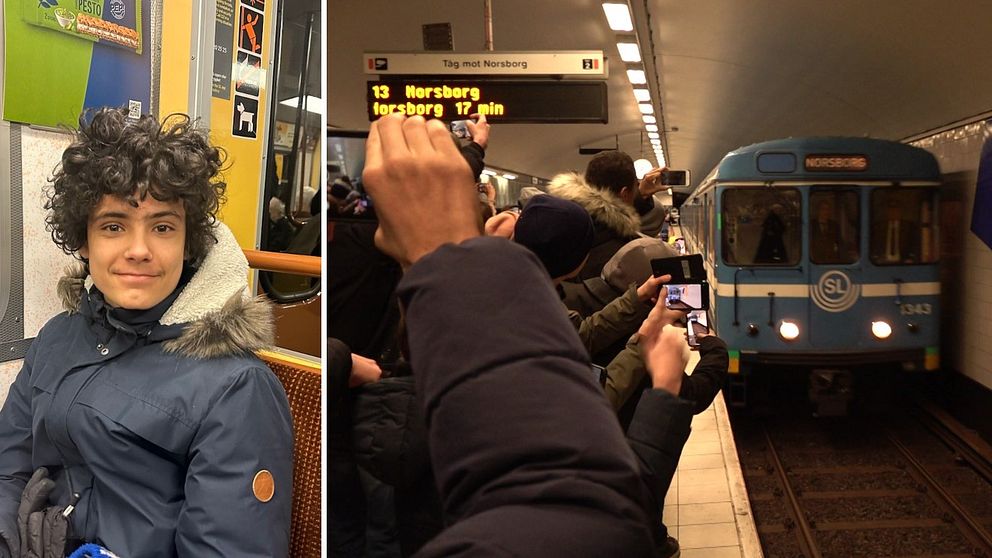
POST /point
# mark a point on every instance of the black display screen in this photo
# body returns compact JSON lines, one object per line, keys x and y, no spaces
{"x":500,"y":101}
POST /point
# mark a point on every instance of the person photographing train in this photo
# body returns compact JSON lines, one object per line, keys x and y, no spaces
{"x":501,"y":374}
{"x":141,"y":421}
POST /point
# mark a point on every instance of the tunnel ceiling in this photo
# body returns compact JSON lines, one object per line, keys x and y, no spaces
{"x":731,"y":72}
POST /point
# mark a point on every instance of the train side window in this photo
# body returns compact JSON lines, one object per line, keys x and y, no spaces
{"x":761,"y":226}
{"x":293,"y":191}
{"x":834,"y":227}
{"x":904,"y":226}
{"x":711,"y":223}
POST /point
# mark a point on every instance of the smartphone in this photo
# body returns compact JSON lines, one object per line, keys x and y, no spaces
{"x":688,"y":296}
{"x":460,"y":129}
{"x":683,"y":269}
{"x":675,"y":177}
{"x":696,"y":326}
{"x":599,"y":373}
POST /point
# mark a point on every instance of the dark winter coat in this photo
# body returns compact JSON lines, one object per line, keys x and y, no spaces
{"x":528,"y":456}
{"x":164,"y":429}
{"x":615,"y":222}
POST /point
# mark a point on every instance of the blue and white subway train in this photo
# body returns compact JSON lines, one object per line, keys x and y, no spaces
{"x":821,"y":252}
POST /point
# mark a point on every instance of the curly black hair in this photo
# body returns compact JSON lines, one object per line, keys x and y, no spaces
{"x":129,"y":159}
{"x":613,"y":170}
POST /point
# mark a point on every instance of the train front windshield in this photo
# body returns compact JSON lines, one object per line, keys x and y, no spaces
{"x":761,"y":226}
{"x":834,"y":226}
{"x":903,"y":226}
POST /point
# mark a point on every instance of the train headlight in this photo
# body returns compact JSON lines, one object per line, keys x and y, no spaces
{"x":788,"y":330}
{"x":881,"y":329}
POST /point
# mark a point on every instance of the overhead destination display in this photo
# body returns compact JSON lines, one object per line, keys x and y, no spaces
{"x":502,"y":101}
{"x":585,"y":63}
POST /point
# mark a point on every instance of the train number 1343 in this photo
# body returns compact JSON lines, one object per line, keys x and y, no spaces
{"x":912,"y":309}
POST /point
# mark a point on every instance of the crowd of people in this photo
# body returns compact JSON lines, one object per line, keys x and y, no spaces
{"x":470,"y":414}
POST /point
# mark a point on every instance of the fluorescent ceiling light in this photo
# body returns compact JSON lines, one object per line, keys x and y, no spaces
{"x":653,"y":135}
{"x":509,"y":176}
{"x":629,"y":52}
{"x":646,"y":108}
{"x":637,"y":77}
{"x":642,"y":95}
{"x":489,"y":172}
{"x":656,"y":142}
{"x":310,"y":104}
{"x":651,"y":127}
{"x":618,"y":16}
{"x":641,"y":167}
{"x":649,"y":119}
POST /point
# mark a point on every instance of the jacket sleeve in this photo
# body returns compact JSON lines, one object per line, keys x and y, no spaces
{"x":708,"y":376}
{"x":526,"y":452}
{"x":475,"y":155}
{"x":657,"y":433}
{"x":339,"y":365}
{"x":618,"y":319}
{"x":15,"y":452}
{"x":247,"y":432}
{"x":624,"y":374}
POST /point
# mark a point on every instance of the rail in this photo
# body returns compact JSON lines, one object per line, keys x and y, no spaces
{"x":807,"y":542}
{"x":969,"y":525}
{"x":284,"y":263}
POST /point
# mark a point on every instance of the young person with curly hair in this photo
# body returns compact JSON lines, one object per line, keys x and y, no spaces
{"x":141,"y":420}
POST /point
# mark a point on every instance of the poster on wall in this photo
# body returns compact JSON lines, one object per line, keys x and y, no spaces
{"x":223,"y":42}
{"x":981,"y":214}
{"x":62,"y":57}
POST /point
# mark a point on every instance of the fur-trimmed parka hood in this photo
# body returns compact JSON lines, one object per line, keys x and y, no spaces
{"x":605,"y":208}
{"x":218,"y":315}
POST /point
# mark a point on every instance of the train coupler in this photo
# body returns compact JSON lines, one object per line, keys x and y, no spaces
{"x":830,"y":391}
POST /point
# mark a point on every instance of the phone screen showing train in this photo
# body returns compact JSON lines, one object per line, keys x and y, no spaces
{"x":346,"y":195}
{"x":696,"y":323}
{"x":692,"y":296}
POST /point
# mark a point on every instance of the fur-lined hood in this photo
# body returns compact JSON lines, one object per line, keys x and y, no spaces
{"x":220,"y":317}
{"x":603,"y":206}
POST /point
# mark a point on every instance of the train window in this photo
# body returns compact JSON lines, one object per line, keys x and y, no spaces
{"x":777,"y":162}
{"x":834,"y":219}
{"x":293,"y":192}
{"x":903,"y":226}
{"x":761,"y":226}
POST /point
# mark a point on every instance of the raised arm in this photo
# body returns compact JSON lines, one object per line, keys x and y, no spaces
{"x":528,"y":456}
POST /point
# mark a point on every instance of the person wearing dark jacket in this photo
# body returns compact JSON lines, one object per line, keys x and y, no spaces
{"x":352,"y":523}
{"x":580,"y":490}
{"x":141,"y":417}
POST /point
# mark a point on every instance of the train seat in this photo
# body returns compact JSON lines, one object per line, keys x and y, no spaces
{"x":302,"y":384}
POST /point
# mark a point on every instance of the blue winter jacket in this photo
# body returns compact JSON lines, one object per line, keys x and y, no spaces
{"x":168,"y":431}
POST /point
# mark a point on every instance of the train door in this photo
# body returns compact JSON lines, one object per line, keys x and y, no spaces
{"x":835,"y":272}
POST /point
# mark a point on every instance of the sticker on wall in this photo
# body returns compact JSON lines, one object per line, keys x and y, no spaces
{"x":250,"y":30}
{"x":223,"y":44}
{"x":245,"y":117}
{"x":248,"y":74}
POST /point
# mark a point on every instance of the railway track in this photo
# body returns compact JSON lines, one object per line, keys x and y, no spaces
{"x":912,"y":485}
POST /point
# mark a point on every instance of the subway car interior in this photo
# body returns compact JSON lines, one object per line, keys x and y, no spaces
{"x":248,"y":75}
{"x":827,"y":165}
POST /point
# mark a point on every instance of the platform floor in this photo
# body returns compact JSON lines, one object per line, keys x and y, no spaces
{"x":707,"y":508}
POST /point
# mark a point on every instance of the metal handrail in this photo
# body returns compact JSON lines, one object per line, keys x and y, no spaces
{"x":284,"y":263}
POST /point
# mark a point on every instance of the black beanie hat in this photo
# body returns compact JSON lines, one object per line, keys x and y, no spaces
{"x":558,"y":231}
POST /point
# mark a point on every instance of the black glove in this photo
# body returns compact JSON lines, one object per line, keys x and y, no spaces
{"x":42,"y":528}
